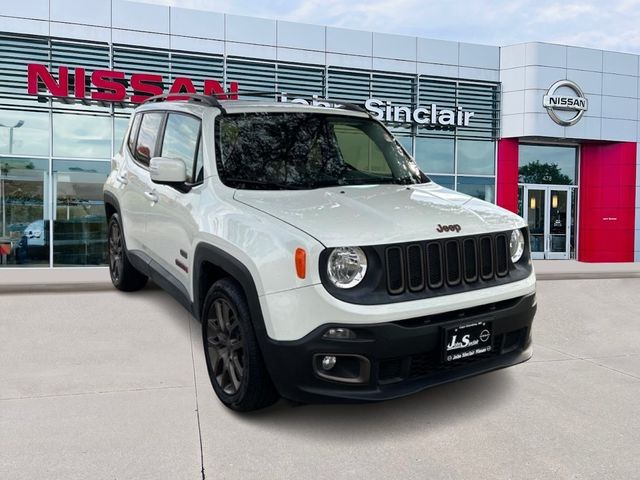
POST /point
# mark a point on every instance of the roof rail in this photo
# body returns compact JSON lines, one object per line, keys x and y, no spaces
{"x":212,"y":101}
{"x":209,"y":100}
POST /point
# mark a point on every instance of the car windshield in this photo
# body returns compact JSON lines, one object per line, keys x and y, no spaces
{"x":289,"y":150}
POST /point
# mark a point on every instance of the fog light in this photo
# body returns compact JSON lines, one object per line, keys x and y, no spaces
{"x":352,"y":368}
{"x":328,"y":362}
{"x":340,"y":334}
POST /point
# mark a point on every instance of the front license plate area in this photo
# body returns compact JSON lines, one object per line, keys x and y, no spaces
{"x":467,"y":340}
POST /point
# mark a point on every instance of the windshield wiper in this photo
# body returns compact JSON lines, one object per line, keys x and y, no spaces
{"x":266,"y":185}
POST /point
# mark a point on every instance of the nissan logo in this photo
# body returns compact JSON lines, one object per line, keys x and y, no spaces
{"x":555,"y":103}
{"x":485,"y":335}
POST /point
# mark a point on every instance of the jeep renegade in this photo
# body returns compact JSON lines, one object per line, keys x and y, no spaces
{"x":321,"y":262}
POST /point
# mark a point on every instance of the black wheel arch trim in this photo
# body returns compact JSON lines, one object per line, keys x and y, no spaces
{"x":110,"y":199}
{"x":237,"y":271}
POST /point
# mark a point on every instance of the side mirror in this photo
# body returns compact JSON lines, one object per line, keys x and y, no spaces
{"x":167,"y":170}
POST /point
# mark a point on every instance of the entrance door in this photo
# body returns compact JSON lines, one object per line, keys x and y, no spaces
{"x":547,"y":211}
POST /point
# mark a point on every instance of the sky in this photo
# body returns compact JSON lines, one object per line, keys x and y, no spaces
{"x":603,"y":24}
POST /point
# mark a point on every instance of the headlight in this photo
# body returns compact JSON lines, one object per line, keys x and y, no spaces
{"x":516,"y":245}
{"x":346,"y":266}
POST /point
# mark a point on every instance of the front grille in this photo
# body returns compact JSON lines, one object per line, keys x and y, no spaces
{"x":402,"y":272}
{"x":439,"y":264}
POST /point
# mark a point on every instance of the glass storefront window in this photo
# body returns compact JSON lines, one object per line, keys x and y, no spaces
{"x":24,"y":234}
{"x":407,"y":143}
{"x":447,"y":181}
{"x":435,"y":155}
{"x":24,"y":133}
{"x":84,"y":136}
{"x":120,"y":125}
{"x":79,"y":223}
{"x":483,"y":188}
{"x":476,"y":157}
{"x":547,"y":164}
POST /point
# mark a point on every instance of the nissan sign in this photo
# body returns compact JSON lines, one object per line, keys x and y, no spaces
{"x":111,"y":85}
{"x":564,"y":109}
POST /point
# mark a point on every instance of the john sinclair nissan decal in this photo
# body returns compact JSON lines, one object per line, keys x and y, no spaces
{"x":556,"y":103}
{"x":386,"y":111}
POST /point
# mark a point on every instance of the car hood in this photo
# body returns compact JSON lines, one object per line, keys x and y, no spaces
{"x":380,"y":214}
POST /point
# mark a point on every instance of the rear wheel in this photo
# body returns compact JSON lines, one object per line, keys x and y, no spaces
{"x":124,"y":276}
{"x":234,"y":361}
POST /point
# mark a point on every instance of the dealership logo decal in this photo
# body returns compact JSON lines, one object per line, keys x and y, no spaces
{"x":565,"y":110}
{"x":111,"y":85}
{"x":484,"y":335}
{"x":386,"y":111}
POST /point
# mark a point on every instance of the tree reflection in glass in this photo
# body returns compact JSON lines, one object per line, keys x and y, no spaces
{"x":309,"y":150}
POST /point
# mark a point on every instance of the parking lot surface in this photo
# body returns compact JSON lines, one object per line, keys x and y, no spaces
{"x":106,"y":385}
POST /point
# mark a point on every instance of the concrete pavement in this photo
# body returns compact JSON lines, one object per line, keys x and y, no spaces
{"x":111,"y":385}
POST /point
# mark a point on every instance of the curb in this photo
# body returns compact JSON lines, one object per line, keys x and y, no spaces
{"x":52,"y":288}
{"x":585,"y":275}
{"x":27,"y":288}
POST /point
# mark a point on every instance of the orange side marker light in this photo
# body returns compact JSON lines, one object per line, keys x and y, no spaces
{"x":301,"y":262}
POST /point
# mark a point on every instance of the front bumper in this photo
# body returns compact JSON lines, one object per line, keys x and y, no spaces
{"x":403,"y":357}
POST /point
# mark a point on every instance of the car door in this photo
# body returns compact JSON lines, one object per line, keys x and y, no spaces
{"x":131,"y":186}
{"x":172,"y":227}
{"x":142,"y":198}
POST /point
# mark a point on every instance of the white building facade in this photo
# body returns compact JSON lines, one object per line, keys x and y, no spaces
{"x":549,"y":131}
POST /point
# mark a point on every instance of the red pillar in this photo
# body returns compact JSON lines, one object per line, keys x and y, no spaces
{"x":607,"y":202}
{"x":507,"y":182}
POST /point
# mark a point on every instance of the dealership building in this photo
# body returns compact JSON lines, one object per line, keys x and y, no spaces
{"x":547,"y":131}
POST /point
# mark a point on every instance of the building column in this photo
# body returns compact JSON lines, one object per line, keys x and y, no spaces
{"x":637,"y":236}
{"x":507,"y":174}
{"x":607,"y":201}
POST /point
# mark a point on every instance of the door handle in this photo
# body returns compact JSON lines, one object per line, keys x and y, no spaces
{"x":151,"y":196}
{"x":122,"y":179}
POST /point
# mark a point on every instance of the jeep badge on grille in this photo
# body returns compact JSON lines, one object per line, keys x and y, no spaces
{"x":448,"y":228}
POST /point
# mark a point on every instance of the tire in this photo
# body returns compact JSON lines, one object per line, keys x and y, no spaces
{"x":234,"y":361}
{"x":124,"y":276}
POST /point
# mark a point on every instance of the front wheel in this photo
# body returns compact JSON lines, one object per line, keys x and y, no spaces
{"x":234,"y":361}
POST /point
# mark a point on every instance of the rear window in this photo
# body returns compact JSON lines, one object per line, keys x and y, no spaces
{"x":133,"y":133}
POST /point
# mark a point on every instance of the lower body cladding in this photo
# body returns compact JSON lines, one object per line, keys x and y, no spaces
{"x":388,"y":360}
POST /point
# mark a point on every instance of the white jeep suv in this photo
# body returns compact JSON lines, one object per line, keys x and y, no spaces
{"x":322,"y":263}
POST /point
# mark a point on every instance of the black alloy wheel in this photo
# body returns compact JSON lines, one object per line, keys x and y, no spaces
{"x":124,"y":276}
{"x":115,"y":252}
{"x":226,"y":347}
{"x":235,"y":365}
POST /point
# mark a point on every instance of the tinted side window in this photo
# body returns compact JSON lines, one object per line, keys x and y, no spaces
{"x":148,"y":137}
{"x":133,"y":133}
{"x":181,"y":139}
